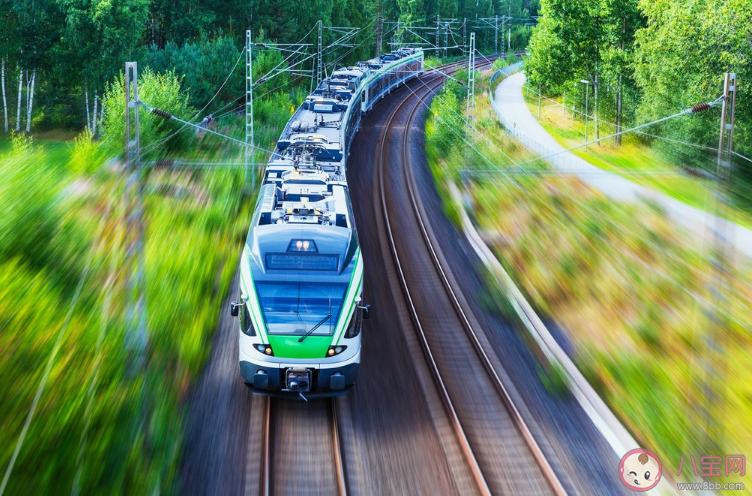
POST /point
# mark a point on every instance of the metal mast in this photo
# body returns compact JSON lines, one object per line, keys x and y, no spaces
{"x":319,"y":64}
{"x":249,"y":143}
{"x":438,"y":27}
{"x":464,"y":35}
{"x":446,"y":37}
{"x":471,"y":92}
{"x":379,"y":32}
{"x":496,"y":34}
{"x":135,"y":313}
{"x":722,"y":252}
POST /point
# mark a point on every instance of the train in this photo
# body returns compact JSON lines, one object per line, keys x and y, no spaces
{"x":300,"y":307}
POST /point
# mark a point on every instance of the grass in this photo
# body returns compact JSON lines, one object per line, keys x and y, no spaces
{"x":631,"y":290}
{"x":634,"y":159}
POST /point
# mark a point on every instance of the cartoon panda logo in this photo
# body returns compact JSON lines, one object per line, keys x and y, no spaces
{"x":640,"y":470}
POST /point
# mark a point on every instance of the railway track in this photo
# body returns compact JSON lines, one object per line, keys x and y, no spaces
{"x":289,"y":466}
{"x":477,"y":402}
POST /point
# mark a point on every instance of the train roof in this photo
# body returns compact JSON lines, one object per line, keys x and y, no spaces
{"x":321,"y":117}
{"x":303,"y":222}
{"x":303,"y":226}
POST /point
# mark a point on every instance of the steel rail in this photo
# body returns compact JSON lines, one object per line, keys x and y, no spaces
{"x":540,"y":458}
{"x":339,"y":465}
{"x":267,"y":441}
{"x":266,"y":459}
{"x":444,"y":393}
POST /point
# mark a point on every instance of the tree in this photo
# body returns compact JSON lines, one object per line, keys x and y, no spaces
{"x":586,"y":40}
{"x":681,"y":56}
{"x":99,"y":36}
{"x":157,"y":90}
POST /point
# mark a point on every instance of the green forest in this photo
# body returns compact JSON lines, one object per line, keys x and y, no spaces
{"x":59,"y":55}
{"x":75,"y":416}
{"x":643,"y":60}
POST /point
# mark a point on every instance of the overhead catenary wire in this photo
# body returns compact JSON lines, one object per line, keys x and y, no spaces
{"x":692,"y":110}
{"x":600,"y":120}
{"x":168,"y":116}
{"x":152,"y":146}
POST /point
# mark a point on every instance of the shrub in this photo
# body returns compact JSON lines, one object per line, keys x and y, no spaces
{"x":158,"y":91}
{"x":87,"y":155}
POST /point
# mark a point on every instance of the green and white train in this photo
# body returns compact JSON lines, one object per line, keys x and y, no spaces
{"x":301,"y":272}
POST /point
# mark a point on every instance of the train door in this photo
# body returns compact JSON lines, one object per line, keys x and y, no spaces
{"x":364,"y":100}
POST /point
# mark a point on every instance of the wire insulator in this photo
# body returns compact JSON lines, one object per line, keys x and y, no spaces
{"x":161,"y":113}
{"x":700,"y":107}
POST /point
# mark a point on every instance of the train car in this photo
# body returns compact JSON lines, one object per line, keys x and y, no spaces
{"x":301,"y":271}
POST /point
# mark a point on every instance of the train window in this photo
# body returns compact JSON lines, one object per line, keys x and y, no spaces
{"x":246,"y":324}
{"x":292,"y":308}
{"x":355,"y":325}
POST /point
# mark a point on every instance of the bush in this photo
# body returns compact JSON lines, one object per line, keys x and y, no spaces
{"x":28,"y":214}
{"x":87,"y":155}
{"x":158,"y":91}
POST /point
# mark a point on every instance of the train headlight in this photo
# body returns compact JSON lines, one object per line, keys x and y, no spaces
{"x":335,"y":350}
{"x":264,"y":348}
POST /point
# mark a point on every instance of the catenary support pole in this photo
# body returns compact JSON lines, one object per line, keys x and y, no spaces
{"x":249,"y":138}
{"x":721,"y":270}
{"x":136,"y":330}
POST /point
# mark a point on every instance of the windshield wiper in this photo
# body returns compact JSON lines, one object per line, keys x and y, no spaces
{"x":314,"y":328}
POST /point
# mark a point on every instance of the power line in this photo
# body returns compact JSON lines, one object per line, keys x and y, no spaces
{"x":169,"y":116}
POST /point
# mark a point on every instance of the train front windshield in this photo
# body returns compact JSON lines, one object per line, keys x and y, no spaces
{"x":291,"y":308}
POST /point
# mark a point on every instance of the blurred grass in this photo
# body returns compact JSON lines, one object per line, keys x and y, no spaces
{"x":100,"y":427}
{"x":631,"y":289}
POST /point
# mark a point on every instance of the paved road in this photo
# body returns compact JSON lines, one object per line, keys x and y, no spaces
{"x":516,"y":116}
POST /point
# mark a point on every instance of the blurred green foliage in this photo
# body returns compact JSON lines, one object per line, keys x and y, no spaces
{"x":630,"y":288}
{"x":100,"y":428}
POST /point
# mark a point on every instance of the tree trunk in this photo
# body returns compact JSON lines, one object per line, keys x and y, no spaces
{"x":88,"y":117}
{"x":30,"y":101}
{"x":94,"y":120}
{"x":20,"y":93}
{"x":101,"y":114}
{"x":595,"y":109}
{"x":617,"y":138}
{"x":5,"y":102}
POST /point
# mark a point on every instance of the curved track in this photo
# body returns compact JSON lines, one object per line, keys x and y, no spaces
{"x":503,"y":454}
{"x":394,"y":433}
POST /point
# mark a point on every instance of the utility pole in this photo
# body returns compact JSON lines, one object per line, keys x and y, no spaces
{"x":509,"y":38}
{"x":135,"y":298}
{"x":464,"y":34}
{"x":722,"y":252}
{"x":470,"y":117}
{"x":587,"y":93}
{"x":319,"y":65}
{"x":496,"y":33}
{"x":438,"y":26}
{"x":539,"y":100}
{"x":379,"y":31}
{"x":249,"y":142}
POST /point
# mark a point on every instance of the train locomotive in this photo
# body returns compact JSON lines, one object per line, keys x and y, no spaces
{"x":301,"y":271}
